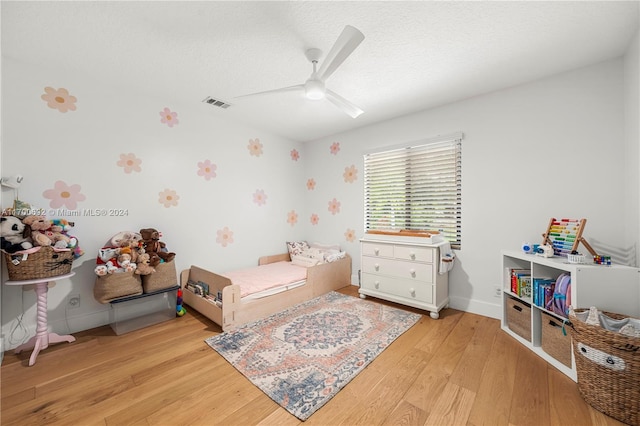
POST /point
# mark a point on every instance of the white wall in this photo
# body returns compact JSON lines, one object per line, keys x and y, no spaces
{"x":83,"y":147}
{"x":551,"y":148}
{"x":632,"y":139}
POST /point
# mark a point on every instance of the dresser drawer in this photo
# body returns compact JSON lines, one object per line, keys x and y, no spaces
{"x":374,"y":249}
{"x":408,"y":289}
{"x":397,"y":268}
{"x":419,"y":254}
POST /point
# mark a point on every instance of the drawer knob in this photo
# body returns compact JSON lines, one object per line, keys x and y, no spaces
{"x":377,"y":267}
{"x":377,"y":284}
{"x":412,"y":291}
{"x":412,"y":272}
{"x":376,"y":251}
{"x":412,"y":256}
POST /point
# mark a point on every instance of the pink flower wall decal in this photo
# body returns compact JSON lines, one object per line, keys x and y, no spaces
{"x":334,"y":206}
{"x":350,"y":174}
{"x":130,"y":163}
{"x":295,"y":155}
{"x":168,"y":198}
{"x":225,"y":236}
{"x":255,"y":147}
{"x":168,"y":117}
{"x":315,"y":219}
{"x":259,"y":197}
{"x":207,"y":169}
{"x":59,"y":99}
{"x":350,"y":235}
{"x":311,"y":184}
{"x":64,"y":195}
{"x":292,"y":217}
{"x":334,"y":148}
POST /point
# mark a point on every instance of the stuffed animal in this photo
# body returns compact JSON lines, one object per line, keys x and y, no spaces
{"x":144,"y":268}
{"x":42,"y":235}
{"x":154,"y":247}
{"x":12,"y":232}
{"x":63,"y":226}
{"x":132,"y":247}
{"x":125,"y":263}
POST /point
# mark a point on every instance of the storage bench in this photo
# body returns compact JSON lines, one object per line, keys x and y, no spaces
{"x":134,"y":312}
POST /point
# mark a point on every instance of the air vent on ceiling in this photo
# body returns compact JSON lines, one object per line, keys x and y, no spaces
{"x":215,"y":102}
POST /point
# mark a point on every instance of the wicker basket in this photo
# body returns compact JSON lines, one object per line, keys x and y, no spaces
{"x":608,"y":367}
{"x":164,"y":277}
{"x":519,"y":318}
{"x":114,"y":286}
{"x":553,"y":341}
{"x":43,"y":262}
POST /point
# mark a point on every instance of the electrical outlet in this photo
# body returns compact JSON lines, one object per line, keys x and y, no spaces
{"x":497,"y":291}
{"x":73,"y":302}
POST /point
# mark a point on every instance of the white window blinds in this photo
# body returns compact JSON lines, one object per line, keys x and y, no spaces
{"x":416,"y":187}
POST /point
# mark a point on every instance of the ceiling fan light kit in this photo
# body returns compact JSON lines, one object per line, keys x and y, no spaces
{"x":315,"y":88}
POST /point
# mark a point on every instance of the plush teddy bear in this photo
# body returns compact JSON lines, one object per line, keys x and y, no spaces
{"x":12,"y":234}
{"x":42,"y":235}
{"x":144,"y":268}
{"x":132,"y":247}
{"x":154,"y":247}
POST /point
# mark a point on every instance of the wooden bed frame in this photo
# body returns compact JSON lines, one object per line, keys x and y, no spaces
{"x":321,"y":279}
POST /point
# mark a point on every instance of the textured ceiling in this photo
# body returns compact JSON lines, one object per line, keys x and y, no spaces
{"x":415,"y":55}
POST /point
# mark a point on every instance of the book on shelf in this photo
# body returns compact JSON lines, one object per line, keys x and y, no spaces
{"x":520,"y":281}
{"x":537,"y":290}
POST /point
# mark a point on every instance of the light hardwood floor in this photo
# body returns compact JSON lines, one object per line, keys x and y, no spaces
{"x":458,"y":370}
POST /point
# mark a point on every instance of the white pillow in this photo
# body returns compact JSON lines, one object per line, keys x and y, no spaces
{"x":303,"y":261}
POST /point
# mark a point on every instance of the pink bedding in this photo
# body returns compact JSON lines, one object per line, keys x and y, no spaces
{"x":265,"y":277}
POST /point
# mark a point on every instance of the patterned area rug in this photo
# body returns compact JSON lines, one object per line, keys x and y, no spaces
{"x":301,"y":357}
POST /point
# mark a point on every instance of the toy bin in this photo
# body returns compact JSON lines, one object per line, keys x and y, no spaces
{"x":108,"y":288}
{"x":38,"y":262}
{"x":165,"y":276}
{"x":519,"y":318}
{"x":555,"y":341}
{"x":608,"y":367}
{"x":135,"y":312}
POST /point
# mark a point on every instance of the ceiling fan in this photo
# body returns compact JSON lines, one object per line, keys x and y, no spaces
{"x":314,"y":88}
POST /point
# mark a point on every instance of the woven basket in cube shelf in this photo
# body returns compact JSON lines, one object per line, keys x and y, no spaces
{"x":608,"y":367}
{"x":38,"y":262}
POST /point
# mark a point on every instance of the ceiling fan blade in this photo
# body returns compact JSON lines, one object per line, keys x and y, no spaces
{"x":343,"y":104}
{"x":349,"y":39}
{"x":282,"y":90}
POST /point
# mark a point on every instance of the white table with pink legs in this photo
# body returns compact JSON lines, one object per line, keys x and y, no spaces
{"x":43,"y":338}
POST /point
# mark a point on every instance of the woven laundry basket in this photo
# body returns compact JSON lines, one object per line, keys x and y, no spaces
{"x":608,"y":367}
{"x":38,"y":262}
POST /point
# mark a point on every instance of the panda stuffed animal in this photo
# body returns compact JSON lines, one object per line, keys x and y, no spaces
{"x":12,"y":234}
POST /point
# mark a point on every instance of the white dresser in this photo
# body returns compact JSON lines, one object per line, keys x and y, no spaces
{"x":405,"y":273}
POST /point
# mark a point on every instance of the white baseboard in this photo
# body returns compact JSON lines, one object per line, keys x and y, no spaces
{"x":490,"y":310}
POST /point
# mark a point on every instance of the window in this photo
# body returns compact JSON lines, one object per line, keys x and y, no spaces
{"x":416,"y":187}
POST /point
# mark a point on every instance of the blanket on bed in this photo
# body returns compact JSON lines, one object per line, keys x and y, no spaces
{"x":265,"y":277}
